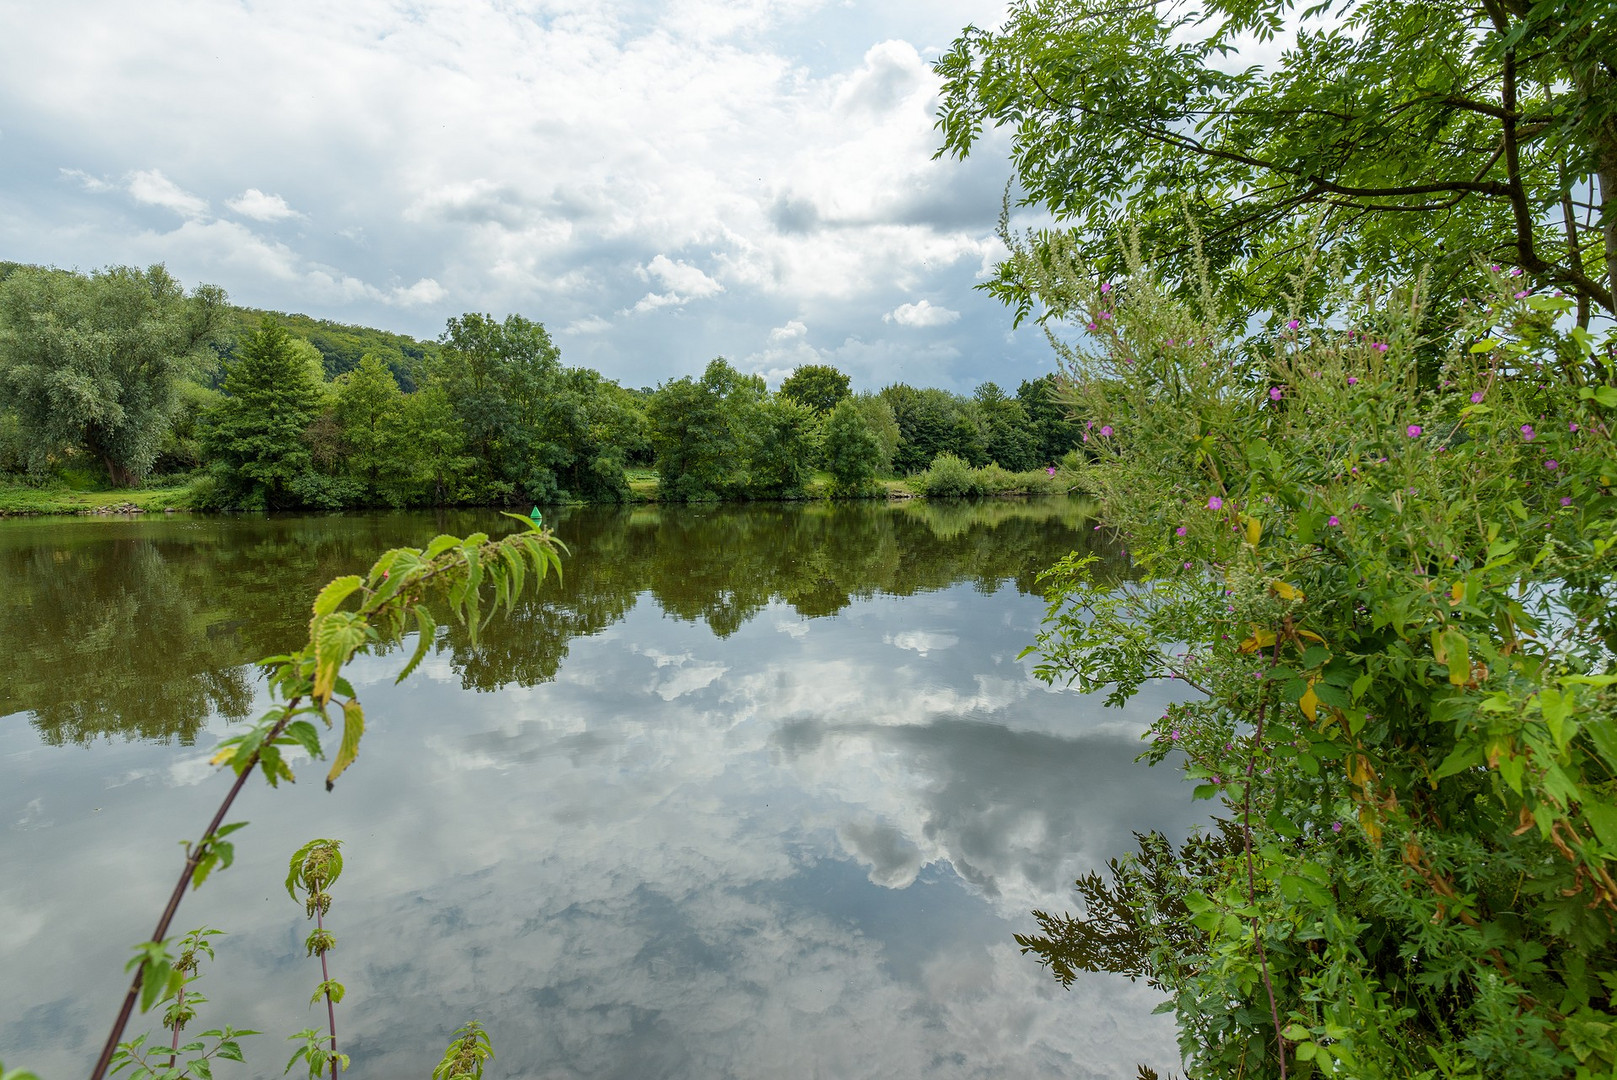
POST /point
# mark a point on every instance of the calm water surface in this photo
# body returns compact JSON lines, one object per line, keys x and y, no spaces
{"x":756,"y":792}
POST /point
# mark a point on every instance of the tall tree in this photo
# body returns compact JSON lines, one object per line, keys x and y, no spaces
{"x":1008,"y":438}
{"x":1053,"y":434}
{"x":819,"y":386}
{"x":1411,"y":134}
{"x":93,"y":364}
{"x":698,"y":432}
{"x":257,"y":433}
{"x":502,"y":377}
{"x":852,"y":450}
{"x":369,"y":406}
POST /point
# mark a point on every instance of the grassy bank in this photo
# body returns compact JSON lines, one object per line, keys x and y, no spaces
{"x":21,"y":499}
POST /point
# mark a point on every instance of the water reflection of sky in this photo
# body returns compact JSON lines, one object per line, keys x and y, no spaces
{"x":799,"y":850}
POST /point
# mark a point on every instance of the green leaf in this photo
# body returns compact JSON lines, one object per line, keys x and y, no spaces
{"x":335,"y":593}
{"x":304,"y":734}
{"x":426,"y":630}
{"x":1602,"y":818}
{"x":1463,"y":757}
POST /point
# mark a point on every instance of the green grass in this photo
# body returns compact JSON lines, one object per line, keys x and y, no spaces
{"x":67,"y":498}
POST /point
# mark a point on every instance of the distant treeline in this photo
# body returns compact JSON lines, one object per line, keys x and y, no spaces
{"x":122,"y":376}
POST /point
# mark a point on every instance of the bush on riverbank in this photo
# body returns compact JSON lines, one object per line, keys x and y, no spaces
{"x":949,"y":477}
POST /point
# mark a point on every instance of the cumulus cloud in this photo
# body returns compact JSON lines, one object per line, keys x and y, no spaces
{"x":922,"y":313}
{"x":794,"y":329}
{"x":682,"y":282}
{"x":151,"y":187}
{"x":767,"y":159}
{"x":259,"y":206}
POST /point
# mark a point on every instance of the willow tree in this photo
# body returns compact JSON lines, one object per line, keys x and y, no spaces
{"x":93,"y":364}
{"x":1403,"y":134}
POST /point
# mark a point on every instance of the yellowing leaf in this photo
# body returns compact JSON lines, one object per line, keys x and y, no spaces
{"x":1309,"y":703}
{"x":353,"y":726}
{"x":1285,"y":591}
{"x":1254,"y":530}
{"x":224,"y":756}
{"x":1310,"y":635}
{"x":1260,"y":639}
{"x":1457,"y":594}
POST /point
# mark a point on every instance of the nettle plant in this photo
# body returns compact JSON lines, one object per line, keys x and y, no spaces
{"x":1381,"y":564}
{"x":476,"y":578}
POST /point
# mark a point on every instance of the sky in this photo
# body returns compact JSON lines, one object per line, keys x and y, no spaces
{"x":658,"y":183}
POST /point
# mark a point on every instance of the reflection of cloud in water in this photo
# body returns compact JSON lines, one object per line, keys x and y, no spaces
{"x":803,"y":862}
{"x":922,"y":641}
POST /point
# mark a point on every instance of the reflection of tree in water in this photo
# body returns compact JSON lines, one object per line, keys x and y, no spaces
{"x":141,"y":628}
{"x":1135,"y":921}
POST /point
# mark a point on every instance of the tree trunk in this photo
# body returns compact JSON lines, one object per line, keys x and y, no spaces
{"x":1608,"y":217}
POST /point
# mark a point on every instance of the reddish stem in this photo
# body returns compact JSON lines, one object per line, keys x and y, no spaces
{"x":191,"y":860}
{"x":331,"y":1011}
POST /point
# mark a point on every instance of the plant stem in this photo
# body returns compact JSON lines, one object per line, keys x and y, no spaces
{"x":1251,"y":876}
{"x":174,"y":1046}
{"x":331,"y":1011}
{"x":191,"y":860}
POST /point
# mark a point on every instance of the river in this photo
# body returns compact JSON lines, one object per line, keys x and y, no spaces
{"x":753,"y":792}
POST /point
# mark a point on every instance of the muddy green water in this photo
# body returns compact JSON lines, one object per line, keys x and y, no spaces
{"x":755,"y":792}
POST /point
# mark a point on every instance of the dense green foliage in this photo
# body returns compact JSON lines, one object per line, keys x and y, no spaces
{"x":96,"y":363}
{"x":1381,"y":558}
{"x":285,"y":414}
{"x":1419,"y":135}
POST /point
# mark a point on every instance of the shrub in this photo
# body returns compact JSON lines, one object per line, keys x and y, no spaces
{"x":947,"y":478}
{"x":1379,"y":550}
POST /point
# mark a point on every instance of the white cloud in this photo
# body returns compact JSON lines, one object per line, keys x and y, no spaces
{"x":770,"y":160}
{"x":151,"y":187}
{"x":921,"y":314}
{"x":425,"y":291}
{"x":89,"y":183}
{"x":261,"y":207}
{"x":793,"y":330}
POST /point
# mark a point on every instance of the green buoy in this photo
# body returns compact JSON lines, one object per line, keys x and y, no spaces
{"x":538,"y":518}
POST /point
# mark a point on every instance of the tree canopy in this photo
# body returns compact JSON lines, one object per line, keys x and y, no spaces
{"x":1399,"y":135}
{"x":93,"y":363}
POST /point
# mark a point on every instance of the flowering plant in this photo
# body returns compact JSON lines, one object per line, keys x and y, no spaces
{"x":1388,"y":597}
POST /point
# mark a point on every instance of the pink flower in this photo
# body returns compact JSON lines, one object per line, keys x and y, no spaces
{"x":1413,"y":430}
{"x":1572,"y":425}
{"x":1566,"y":500}
{"x":1552,"y":464}
{"x":1106,"y":314}
{"x":1050,"y":469}
{"x":1522,"y":295}
{"x":1336,"y":826}
{"x":1380,"y":346}
{"x":1476,"y":397}
{"x":1106,"y":286}
{"x":1353,"y":380}
{"x":1106,"y":431}
{"x":1515,"y":271}
{"x":1215,"y":503}
{"x":1334,"y":521}
{"x":1274,"y":393}
{"x":1293,"y":324}
{"x":1179,"y":531}
{"x":1092,"y":326}
{"x":1527,"y":432}
{"x":1494,"y":268}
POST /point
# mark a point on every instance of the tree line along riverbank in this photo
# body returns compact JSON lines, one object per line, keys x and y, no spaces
{"x":122,"y":390}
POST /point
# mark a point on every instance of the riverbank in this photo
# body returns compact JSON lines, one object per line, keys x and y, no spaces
{"x":22,"y":500}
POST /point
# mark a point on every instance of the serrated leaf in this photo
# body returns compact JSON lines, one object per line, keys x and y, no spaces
{"x":335,"y":593}
{"x":426,"y":628}
{"x":353,"y":726}
{"x":306,"y":735}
